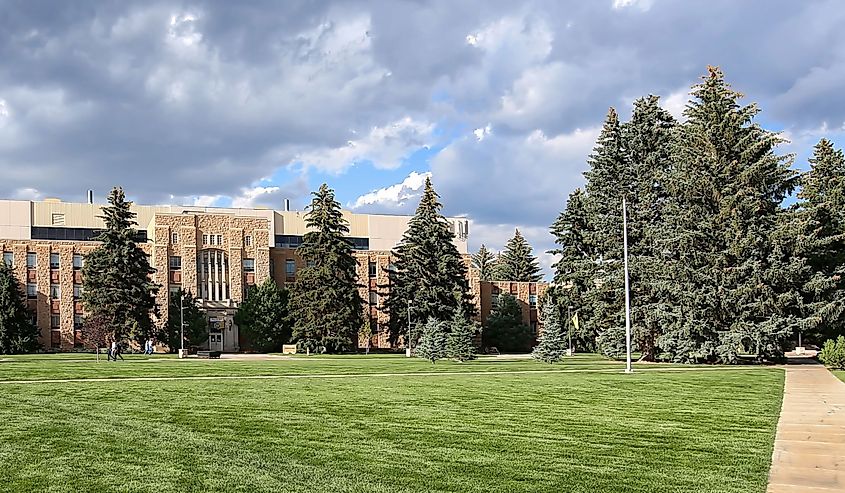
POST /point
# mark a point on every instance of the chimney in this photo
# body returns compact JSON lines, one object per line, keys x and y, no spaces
{"x":287,"y":204}
{"x":90,"y":196}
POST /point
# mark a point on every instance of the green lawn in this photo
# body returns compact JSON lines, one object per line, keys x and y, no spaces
{"x":653,"y":431}
{"x":840,"y":374}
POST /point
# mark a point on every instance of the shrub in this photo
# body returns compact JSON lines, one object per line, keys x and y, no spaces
{"x":833,"y":353}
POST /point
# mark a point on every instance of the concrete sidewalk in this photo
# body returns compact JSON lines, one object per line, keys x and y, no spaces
{"x":809,"y":453}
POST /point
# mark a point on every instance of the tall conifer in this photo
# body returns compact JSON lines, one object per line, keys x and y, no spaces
{"x":726,"y":187}
{"x":427,"y":272}
{"x":484,"y":262}
{"x":17,"y":332}
{"x":117,"y":275}
{"x":325,"y":305}
{"x":517,"y":262}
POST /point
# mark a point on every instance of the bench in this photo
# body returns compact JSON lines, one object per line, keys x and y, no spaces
{"x":208,"y":354}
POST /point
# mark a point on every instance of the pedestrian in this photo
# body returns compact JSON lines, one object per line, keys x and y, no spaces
{"x":113,"y":350}
{"x":118,"y":351}
{"x":110,"y":351}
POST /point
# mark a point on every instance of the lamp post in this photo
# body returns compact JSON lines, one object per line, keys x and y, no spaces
{"x":569,"y":326}
{"x":408,"y":344}
{"x":627,"y":288}
{"x":181,"y":323}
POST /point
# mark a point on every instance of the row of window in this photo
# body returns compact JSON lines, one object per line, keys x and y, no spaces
{"x":210,"y":239}
{"x":55,"y":291}
{"x":248,"y":263}
{"x":56,"y":321}
{"x":532,"y":300}
{"x":32,"y":260}
{"x":294,"y":241}
{"x":75,"y":234}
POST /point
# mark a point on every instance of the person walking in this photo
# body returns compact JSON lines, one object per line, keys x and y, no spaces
{"x":117,"y":351}
{"x":110,"y":351}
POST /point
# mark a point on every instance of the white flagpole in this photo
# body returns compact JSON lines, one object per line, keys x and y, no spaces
{"x":627,"y":288}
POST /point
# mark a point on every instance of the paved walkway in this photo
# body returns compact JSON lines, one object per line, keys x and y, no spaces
{"x":809,"y":453}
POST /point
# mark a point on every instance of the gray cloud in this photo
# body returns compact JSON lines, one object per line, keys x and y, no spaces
{"x":206,"y":98}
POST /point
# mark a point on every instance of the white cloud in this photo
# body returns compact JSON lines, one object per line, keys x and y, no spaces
{"x":643,"y":5}
{"x":676,"y":102}
{"x":27,"y":194}
{"x":495,"y":236}
{"x":483,"y":132}
{"x":385,"y":147}
{"x":205,"y":200}
{"x":401,"y":196}
{"x":4,"y":108}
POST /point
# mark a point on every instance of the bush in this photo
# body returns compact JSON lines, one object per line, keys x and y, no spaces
{"x":833,"y":353}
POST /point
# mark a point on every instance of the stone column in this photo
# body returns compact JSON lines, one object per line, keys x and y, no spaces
{"x":66,"y":299}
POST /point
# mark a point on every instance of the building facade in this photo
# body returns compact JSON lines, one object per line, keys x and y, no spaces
{"x":218,"y":254}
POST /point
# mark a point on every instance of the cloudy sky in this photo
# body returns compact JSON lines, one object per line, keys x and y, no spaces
{"x":248,"y":103}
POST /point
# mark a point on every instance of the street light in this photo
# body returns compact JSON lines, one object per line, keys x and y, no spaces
{"x":181,"y":324}
{"x":569,"y":326}
{"x":627,"y":288}
{"x":408,"y":344}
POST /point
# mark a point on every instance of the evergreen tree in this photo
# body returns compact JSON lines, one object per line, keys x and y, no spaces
{"x":609,"y":178}
{"x":485,"y":262}
{"x":505,"y":329}
{"x":196,"y":323}
{"x":325,"y":303}
{"x":428,"y":270}
{"x":460,"y":345}
{"x":820,"y":220}
{"x":517,"y":263}
{"x":17,"y":332}
{"x":648,"y":139}
{"x":551,"y":346}
{"x":725,"y":188}
{"x":575,"y":271}
{"x":262,"y":318}
{"x":117,"y":275}
{"x":432,"y":343}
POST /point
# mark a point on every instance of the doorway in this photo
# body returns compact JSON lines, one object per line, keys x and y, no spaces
{"x":215,"y":341}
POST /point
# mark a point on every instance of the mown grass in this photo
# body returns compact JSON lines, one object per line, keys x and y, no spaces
{"x":690,"y":431}
{"x":840,"y":374}
{"x":48,"y":366}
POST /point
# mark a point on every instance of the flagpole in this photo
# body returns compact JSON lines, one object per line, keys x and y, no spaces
{"x":627,"y":288}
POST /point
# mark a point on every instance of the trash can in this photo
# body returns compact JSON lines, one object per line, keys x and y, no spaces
{"x":183,"y":353}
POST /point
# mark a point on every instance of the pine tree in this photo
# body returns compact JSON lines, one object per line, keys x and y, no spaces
{"x":551,"y":346}
{"x":428,"y":270}
{"x":574,"y":272}
{"x":17,"y":332}
{"x":485,"y":262}
{"x":609,"y":178}
{"x":196,"y":323}
{"x":517,"y":262}
{"x":263,"y":319}
{"x":725,"y":189}
{"x":325,"y":304}
{"x":117,"y":275}
{"x":432,"y":343}
{"x":820,"y":220}
{"x":648,"y":139}
{"x":505,"y":329}
{"x":460,"y":345}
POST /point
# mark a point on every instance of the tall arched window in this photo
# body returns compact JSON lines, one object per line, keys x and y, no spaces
{"x":213,"y":275}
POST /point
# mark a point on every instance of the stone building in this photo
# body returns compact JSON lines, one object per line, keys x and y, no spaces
{"x":216,"y":253}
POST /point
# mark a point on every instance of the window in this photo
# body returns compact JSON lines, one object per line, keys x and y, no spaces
{"x":31,"y":260}
{"x":248,"y":240}
{"x":533,"y":328}
{"x":373,"y":298}
{"x":78,"y":261}
{"x":532,"y":300}
{"x":213,"y":275}
{"x":58,"y":219}
{"x":55,"y":291}
{"x":9,"y":259}
{"x":216,"y":239}
{"x":290,"y":267}
{"x":55,"y":321}
{"x":77,"y":321}
{"x":205,"y":239}
{"x":249,"y":265}
{"x":54,"y":260}
{"x":174,"y":290}
{"x":174,"y":238}
{"x":373,"y":269}
{"x":77,"y":291}
{"x":31,"y":290}
{"x":175,"y":263}
{"x":494,"y":299}
{"x":272,"y":268}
